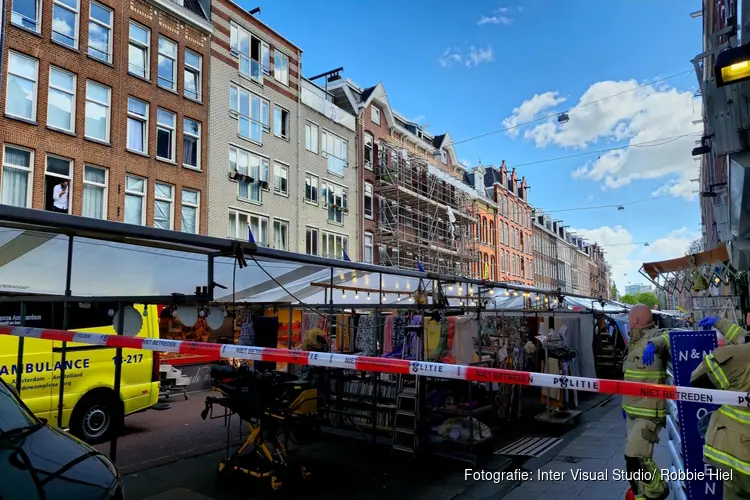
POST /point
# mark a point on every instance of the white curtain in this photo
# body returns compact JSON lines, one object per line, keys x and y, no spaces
{"x":93,"y":195}
{"x":133,"y":209}
{"x":189,"y":216}
{"x":15,"y":187}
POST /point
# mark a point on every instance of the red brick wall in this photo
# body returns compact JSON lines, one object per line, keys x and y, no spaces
{"x":114,"y":156}
{"x":378,"y":132}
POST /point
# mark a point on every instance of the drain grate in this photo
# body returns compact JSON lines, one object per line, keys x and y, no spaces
{"x":570,"y":460}
{"x":530,"y":447}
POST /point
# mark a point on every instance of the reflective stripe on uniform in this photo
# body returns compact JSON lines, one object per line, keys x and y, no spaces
{"x":736,"y":414}
{"x":732,"y":332}
{"x":717,"y":372}
{"x":656,"y":486}
{"x":726,"y":459}
{"x":644,"y":412}
{"x":665,"y":336}
{"x":645,"y":374}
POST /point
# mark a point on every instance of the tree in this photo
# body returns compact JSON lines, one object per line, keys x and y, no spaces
{"x":647,"y":298}
{"x":613,"y":293}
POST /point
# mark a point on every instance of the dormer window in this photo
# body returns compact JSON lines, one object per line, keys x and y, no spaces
{"x":443,"y":156}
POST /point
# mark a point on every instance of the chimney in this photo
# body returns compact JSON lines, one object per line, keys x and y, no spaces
{"x":479,"y":178}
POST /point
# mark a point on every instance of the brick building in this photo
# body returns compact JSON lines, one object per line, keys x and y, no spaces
{"x":545,"y":253}
{"x":254,"y":129}
{"x":104,"y":112}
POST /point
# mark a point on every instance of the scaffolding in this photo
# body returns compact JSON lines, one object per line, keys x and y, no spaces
{"x":424,"y":213}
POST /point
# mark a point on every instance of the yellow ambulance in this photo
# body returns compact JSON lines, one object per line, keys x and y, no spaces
{"x":90,"y":406}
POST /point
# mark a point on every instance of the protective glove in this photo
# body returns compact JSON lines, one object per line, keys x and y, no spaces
{"x":624,"y":415}
{"x":708,"y":322}
{"x":648,"y":354}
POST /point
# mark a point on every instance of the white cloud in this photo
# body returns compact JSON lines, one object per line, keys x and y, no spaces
{"x":626,"y":258}
{"x":590,"y":197}
{"x":498,"y":16}
{"x":474,"y":56}
{"x":616,"y":112}
{"x":531,"y":109}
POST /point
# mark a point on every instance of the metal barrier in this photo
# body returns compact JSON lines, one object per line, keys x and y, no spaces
{"x":387,"y":365}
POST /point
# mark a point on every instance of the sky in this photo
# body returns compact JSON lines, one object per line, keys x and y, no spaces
{"x":478,"y":67}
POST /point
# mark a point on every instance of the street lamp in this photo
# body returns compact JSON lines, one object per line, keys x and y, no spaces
{"x":732,"y":65}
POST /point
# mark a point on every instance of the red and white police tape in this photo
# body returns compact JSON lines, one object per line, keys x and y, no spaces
{"x":389,"y":365}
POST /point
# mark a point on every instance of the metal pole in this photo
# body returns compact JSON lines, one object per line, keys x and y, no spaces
{"x":289,"y":340}
{"x":19,"y":362}
{"x":63,"y":354}
{"x":330,"y":316}
{"x":118,"y":380}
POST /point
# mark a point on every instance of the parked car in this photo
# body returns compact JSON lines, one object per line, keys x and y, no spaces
{"x":38,"y":461}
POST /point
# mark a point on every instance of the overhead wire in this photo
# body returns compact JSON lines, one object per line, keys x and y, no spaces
{"x":614,"y":205}
{"x":553,"y":115}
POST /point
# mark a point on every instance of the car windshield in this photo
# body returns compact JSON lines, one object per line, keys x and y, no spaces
{"x":12,"y":414}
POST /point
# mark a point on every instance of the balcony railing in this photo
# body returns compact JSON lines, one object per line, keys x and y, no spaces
{"x":325,"y":107}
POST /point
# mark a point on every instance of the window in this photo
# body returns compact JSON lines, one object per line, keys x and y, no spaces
{"x":280,"y":67}
{"x":139,"y":60}
{"x":483,"y":236}
{"x":368,"y":201}
{"x":193,"y":65}
{"x":97,"y":111}
{"x":280,"y":235}
{"x":137,"y":125}
{"x":375,"y":115}
{"x":163,"y":205}
{"x":61,"y":102}
{"x":16,"y":179}
{"x":491,"y":239}
{"x":165,"y":134}
{"x":259,"y":227}
{"x":368,"y":248}
{"x":311,"y":240}
{"x":20,"y":98}
{"x":190,"y":209}
{"x":335,"y":197}
{"x":250,"y":50}
{"x":254,"y":172}
{"x":100,"y":32}
{"x":368,"y":151}
{"x":334,"y":245}
{"x":492,"y":268}
{"x":280,"y":122}
{"x":502,"y":260}
{"x":135,"y":200}
{"x":238,"y":225}
{"x":94,"y":192}
{"x":311,"y":137}
{"x":252,"y":112}
{"x":311,"y":189}
{"x":57,"y":184}
{"x":335,"y":149}
{"x":167,"y":64}
{"x":65,"y":22}
{"x":27,"y":14}
{"x":281,"y":179}
{"x":191,"y":143}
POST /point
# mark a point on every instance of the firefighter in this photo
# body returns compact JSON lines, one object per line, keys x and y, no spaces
{"x":645,"y":361}
{"x":727,"y":436}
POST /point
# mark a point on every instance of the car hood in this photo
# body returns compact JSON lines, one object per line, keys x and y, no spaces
{"x":57,"y":463}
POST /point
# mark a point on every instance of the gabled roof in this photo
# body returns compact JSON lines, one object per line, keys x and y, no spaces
{"x":445,"y":142}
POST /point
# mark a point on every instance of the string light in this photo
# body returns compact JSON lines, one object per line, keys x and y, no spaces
{"x":342,"y":277}
{"x":515,"y":293}
{"x":354,"y":280}
{"x":411,"y":299}
{"x":460,"y":290}
{"x":507,"y":293}
{"x":492,"y":291}
{"x":408,"y":284}
{"x":356,"y":296}
{"x":343,"y":294}
{"x":368,"y":296}
{"x":450,"y":288}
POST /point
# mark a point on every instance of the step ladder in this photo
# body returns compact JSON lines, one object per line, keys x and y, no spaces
{"x":406,"y":423}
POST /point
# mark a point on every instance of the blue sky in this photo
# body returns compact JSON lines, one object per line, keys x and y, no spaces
{"x":422,"y":52}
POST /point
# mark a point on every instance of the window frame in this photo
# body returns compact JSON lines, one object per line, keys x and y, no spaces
{"x":328,"y":155}
{"x":282,"y":167}
{"x":369,"y":164}
{"x":282,"y":223}
{"x":69,"y":177}
{"x":372,"y":201}
{"x":375,"y":112}
{"x":145,"y":48}
{"x":109,"y":111}
{"x":170,"y":200}
{"x":371,"y":246}
{"x":77,"y":25}
{"x":29,"y":172}
{"x":262,"y":160}
{"x":234,"y":35}
{"x":142,"y":195}
{"x":35,"y":94}
{"x":143,"y":119}
{"x":73,"y":94}
{"x":198,"y":143}
{"x":198,"y":71}
{"x":265,"y":126}
{"x":174,"y":58}
{"x":324,"y":243}
{"x":105,"y":189}
{"x":312,"y":177}
{"x":309,"y":143}
{"x":326,"y":185}
{"x":280,"y":73}
{"x":260,"y":218}
{"x":109,"y":28}
{"x":14,"y":18}
{"x":309,"y":230}
{"x":281,"y":110}
{"x":173,"y":137}
{"x":196,"y":206}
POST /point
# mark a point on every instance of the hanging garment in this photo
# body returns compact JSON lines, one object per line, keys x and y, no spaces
{"x":552,"y":367}
{"x":367,"y":341}
{"x":247,"y":333}
{"x":310,"y":321}
{"x":388,"y":334}
{"x":343,"y":336}
{"x":465,"y":341}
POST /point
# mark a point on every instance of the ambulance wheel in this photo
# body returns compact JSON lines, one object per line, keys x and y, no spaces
{"x":94,"y":417}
